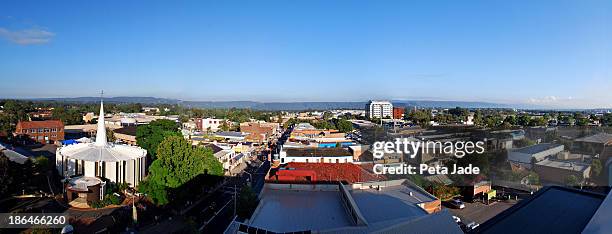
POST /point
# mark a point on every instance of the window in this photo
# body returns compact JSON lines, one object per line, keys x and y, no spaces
{"x":33,"y":130}
{"x":54,"y":130}
{"x":41,"y":130}
{"x":306,"y":160}
{"x":24,"y":131}
{"x":47,"y":130}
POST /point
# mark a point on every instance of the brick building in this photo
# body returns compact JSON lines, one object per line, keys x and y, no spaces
{"x":259,"y":132}
{"x":48,"y":131}
{"x":398,"y":112}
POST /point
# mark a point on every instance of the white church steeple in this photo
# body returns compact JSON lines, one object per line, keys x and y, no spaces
{"x":101,"y":134}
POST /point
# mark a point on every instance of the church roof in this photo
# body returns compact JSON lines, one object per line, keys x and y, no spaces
{"x":105,"y":153}
{"x":100,"y":150}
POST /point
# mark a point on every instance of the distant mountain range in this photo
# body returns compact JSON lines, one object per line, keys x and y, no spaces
{"x":281,"y":105}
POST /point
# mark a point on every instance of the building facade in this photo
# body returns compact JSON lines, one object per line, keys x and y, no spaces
{"x":316,"y":155}
{"x":209,"y":124}
{"x":398,"y":112}
{"x":48,"y":131}
{"x":259,"y":132}
{"x":379,"y":109}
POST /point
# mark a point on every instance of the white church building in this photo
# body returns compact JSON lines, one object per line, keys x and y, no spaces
{"x":85,"y":165}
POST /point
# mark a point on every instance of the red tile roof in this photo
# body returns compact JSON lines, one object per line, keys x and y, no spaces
{"x":323,"y":172}
{"x":40,"y":124}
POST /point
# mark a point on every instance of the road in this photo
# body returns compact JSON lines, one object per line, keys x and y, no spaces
{"x":216,"y":212}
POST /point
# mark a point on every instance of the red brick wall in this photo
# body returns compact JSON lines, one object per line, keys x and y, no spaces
{"x":398,"y":112}
{"x":25,"y":128}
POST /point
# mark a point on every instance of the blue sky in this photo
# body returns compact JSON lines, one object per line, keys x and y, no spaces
{"x":551,"y":53}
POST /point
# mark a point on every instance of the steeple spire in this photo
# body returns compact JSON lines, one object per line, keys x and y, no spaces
{"x":101,"y":134}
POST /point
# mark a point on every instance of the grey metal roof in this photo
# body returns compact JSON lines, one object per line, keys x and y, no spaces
{"x":14,"y":156}
{"x":286,"y":211}
{"x":551,"y":210}
{"x":230,"y":134}
{"x":388,"y":204}
{"x":537,"y":148}
{"x":602,"y":138}
{"x":561,"y":164}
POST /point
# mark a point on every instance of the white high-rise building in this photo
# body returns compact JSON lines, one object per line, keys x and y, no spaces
{"x":379,"y":109}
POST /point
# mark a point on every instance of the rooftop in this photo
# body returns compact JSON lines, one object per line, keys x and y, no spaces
{"x":318,"y":152}
{"x":347,"y":172}
{"x":285,"y":211}
{"x":534,"y":149}
{"x":567,"y":165}
{"x":397,"y":200}
{"x":601,"y":138}
{"x":230,"y":134}
{"x":304,"y":126}
{"x":327,"y":209}
{"x":40,"y":124}
{"x":127,"y":130}
{"x":214,"y":148}
{"x":551,"y":210}
{"x":105,"y":153}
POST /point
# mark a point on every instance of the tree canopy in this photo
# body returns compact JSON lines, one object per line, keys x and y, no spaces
{"x":151,"y":135}
{"x":177,"y":163}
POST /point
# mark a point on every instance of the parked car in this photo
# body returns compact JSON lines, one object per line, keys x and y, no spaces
{"x":457,"y":219}
{"x":473,"y":225}
{"x":456,"y":203}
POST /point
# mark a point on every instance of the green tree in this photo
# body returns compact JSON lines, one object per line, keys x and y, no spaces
{"x":177,"y":163}
{"x":596,"y":167}
{"x":606,"y":119}
{"x":420,"y":117}
{"x":459,"y":113}
{"x":533,"y":178}
{"x":510,"y":119}
{"x":523,"y":120}
{"x":571,"y":180}
{"x":110,"y":135}
{"x":478,"y":118}
{"x":492,"y":121}
{"x":327,"y":115}
{"x":6,"y":178}
{"x":151,"y":135}
{"x":224,"y":126}
{"x":537,"y":122}
{"x":344,"y":125}
{"x":524,"y":143}
{"x":42,"y":163}
{"x":247,"y":202}
{"x":68,"y":116}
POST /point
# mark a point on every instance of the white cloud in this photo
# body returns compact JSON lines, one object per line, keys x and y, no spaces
{"x":547,"y":99}
{"x":27,"y":36}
